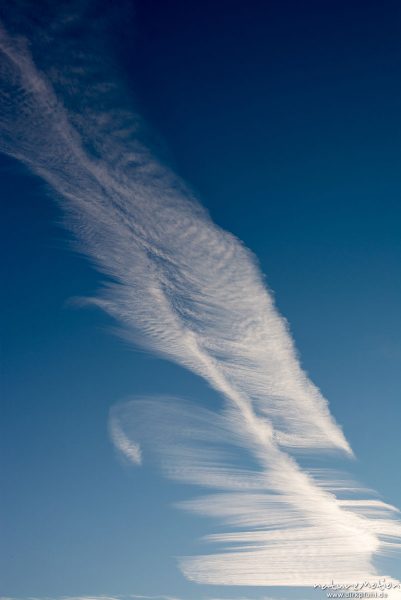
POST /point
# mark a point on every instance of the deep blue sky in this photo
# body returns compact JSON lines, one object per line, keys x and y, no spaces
{"x":285,"y":117}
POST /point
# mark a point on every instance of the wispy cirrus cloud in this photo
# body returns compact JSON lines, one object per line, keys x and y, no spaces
{"x":130,"y":449}
{"x":279,"y":524}
{"x":188,"y":290}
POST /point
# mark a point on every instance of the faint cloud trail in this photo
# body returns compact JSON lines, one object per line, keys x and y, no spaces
{"x":193,"y":293}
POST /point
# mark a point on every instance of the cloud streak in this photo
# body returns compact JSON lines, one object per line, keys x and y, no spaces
{"x":279,"y":525}
{"x":184,"y":288}
{"x":130,"y":449}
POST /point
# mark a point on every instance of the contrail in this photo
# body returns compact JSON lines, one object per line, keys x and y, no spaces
{"x":193,"y":293}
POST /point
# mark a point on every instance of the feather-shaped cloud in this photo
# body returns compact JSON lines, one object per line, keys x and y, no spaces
{"x":193,"y":293}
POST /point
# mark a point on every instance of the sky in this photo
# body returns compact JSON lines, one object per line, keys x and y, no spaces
{"x":201,"y":230}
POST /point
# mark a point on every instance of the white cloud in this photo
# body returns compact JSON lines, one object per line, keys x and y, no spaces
{"x":190,"y":291}
{"x":278,"y":524}
{"x":129,"y":449}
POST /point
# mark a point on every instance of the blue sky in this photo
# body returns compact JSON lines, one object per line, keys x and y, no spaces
{"x":285,"y":121}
